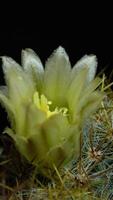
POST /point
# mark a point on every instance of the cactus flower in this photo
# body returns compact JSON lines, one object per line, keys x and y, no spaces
{"x":48,"y":106}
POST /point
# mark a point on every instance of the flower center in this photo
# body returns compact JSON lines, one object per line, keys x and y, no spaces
{"x":42,"y":103}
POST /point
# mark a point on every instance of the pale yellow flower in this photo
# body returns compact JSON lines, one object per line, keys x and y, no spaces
{"x":47,"y":107}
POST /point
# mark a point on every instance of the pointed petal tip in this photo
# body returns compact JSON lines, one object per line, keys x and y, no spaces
{"x":93,"y":57}
{"x":29,"y":58}
{"x":8,"y":62}
{"x":27,"y":54}
{"x":6,"y":59}
{"x":87,"y":61}
{"x":28,"y":51}
{"x":89,"y":58}
{"x":60,"y":50}
{"x":10,"y":65}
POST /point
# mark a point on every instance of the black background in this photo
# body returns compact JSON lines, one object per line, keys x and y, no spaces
{"x":86,"y":29}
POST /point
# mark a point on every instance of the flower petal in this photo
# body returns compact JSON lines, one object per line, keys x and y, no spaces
{"x":80,"y":96}
{"x":4,"y":90}
{"x":55,"y":129}
{"x":86,"y":61}
{"x":63,"y":152}
{"x":33,"y":66}
{"x":8,"y":106}
{"x":89,"y":101}
{"x":20,"y":87}
{"x":75,"y":90}
{"x":56,"y":76}
{"x":34,"y":118}
{"x":50,"y":134}
{"x":91,"y":105}
{"x":20,"y":91}
{"x":88,"y":91}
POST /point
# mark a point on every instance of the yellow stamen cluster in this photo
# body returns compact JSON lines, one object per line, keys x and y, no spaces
{"x":42,"y":103}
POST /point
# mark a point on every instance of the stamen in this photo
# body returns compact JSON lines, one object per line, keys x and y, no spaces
{"x":43,"y":104}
